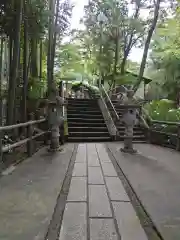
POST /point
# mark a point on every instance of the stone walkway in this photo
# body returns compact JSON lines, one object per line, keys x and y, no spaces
{"x":97,"y":205}
{"x":154,"y":176}
{"x":28,"y":194}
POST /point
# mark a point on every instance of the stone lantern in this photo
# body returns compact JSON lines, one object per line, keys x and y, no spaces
{"x":129,"y":120}
{"x":55,"y":118}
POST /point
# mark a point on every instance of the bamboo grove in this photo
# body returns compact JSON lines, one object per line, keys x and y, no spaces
{"x":29,"y":30}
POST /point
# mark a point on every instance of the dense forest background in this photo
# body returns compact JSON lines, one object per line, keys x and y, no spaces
{"x":38,"y":46}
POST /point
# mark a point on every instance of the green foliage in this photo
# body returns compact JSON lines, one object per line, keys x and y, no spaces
{"x":37,"y":14}
{"x":7,"y":16}
{"x":163,"y":110}
{"x":110,"y":41}
{"x":164,"y":67}
{"x":103,"y":47}
{"x":37,"y":88}
{"x":69,"y":59}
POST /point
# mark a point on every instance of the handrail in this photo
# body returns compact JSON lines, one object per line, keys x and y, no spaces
{"x":147,"y":114}
{"x":143,"y":110}
{"x":21,"y":142}
{"x":146,"y":118}
{"x":117,"y":116}
{"x":165,"y":138}
{"x":166,"y":122}
{"x":27,"y":140}
{"x":26,"y":124}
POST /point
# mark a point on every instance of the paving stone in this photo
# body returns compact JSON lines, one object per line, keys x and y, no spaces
{"x":103,"y":155}
{"x":78,"y":189}
{"x":74,"y":224}
{"x":102,"y":229}
{"x":95,"y":175}
{"x":108,"y":170}
{"x":99,"y":205}
{"x":81,"y":153}
{"x":116,"y":189}
{"x":128,"y":222}
{"x":93,"y":159}
{"x":79,"y":170}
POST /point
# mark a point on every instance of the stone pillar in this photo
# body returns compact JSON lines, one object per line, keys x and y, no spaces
{"x":54,"y":146}
{"x":54,"y":118}
{"x":129,"y":119}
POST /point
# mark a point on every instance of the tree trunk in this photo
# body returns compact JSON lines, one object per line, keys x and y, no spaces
{"x":116,"y":57}
{"x":123,"y":64}
{"x":55,"y":35}
{"x":128,"y":46}
{"x":50,"y":44}
{"x":34,"y":58}
{"x":1,"y":97}
{"x":15,"y":63}
{"x":40,"y":59}
{"x":10,"y":53}
{"x":25,"y":67}
{"x":147,"y":44}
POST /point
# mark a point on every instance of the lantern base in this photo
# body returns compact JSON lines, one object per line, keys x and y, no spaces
{"x":59,"y":149}
{"x":128,"y":150}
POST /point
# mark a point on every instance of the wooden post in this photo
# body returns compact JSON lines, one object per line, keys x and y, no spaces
{"x":61,"y":89}
{"x":46,"y":136}
{"x":178,"y":139}
{"x":148,"y":135}
{"x":30,"y":142}
{"x":66,"y":93}
{"x":1,"y":100}
{"x":1,"y":153}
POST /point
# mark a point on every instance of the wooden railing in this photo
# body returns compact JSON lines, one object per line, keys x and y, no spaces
{"x":165,"y":133}
{"x":28,"y":140}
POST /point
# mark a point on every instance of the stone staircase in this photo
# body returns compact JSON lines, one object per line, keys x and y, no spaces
{"x":85,"y":121}
{"x":139,"y":132}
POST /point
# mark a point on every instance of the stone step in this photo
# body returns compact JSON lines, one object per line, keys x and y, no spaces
{"x":134,"y":133}
{"x":81,"y":100}
{"x":83,"y":111}
{"x":88,"y":139}
{"x":87,"y":120}
{"x":80,"y":108}
{"x":86,"y":129}
{"x":88,"y":134}
{"x":86,"y":123}
{"x":84,"y":116}
{"x":85,"y":106}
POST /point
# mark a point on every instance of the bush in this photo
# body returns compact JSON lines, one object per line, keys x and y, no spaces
{"x":163,"y":110}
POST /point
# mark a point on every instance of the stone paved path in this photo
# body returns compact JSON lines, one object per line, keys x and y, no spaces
{"x":154,"y":176}
{"x":28,"y":194}
{"x":97,"y":205}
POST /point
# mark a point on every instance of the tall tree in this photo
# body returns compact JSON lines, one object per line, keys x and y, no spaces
{"x":25,"y":65}
{"x":15,"y":62}
{"x":121,"y":31}
{"x":134,"y":33}
{"x":156,"y":4}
